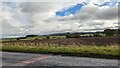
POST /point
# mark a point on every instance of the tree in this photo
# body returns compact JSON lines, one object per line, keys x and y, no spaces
{"x":31,"y":35}
{"x":74,"y":35}
{"x":18,"y":39}
{"x":109,"y":32}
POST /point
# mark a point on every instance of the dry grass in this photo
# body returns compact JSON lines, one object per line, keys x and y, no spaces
{"x":83,"y":50}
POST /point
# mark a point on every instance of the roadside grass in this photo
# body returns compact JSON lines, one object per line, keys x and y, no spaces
{"x":109,"y":52}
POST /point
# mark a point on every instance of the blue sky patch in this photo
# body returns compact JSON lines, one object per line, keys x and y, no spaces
{"x":71,"y":10}
{"x":108,"y":3}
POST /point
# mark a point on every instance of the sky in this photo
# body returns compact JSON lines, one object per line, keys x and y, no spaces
{"x":23,"y":18}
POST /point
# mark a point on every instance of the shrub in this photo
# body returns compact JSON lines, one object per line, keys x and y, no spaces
{"x":47,"y":37}
{"x":75,"y":35}
{"x":97,"y":35}
{"x":18,"y":39}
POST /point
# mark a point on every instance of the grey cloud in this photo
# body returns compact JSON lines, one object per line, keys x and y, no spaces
{"x":93,"y":13}
{"x":107,"y":14}
{"x":35,"y":7}
{"x":75,"y":17}
{"x":7,"y":29}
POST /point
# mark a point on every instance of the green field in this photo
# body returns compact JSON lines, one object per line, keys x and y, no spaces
{"x":34,"y":38}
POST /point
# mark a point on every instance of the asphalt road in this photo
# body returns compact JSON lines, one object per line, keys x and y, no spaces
{"x":30,"y":59}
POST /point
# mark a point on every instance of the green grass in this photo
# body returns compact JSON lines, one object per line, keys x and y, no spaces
{"x":56,"y":37}
{"x":33,"y":38}
{"x":83,"y":50}
{"x":44,"y":37}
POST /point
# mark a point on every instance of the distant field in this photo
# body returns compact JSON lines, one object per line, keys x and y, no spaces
{"x":101,"y":47}
{"x":43,"y":37}
{"x":72,"y":41}
{"x":34,"y":38}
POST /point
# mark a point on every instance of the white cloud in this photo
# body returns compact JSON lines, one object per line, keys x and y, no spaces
{"x":40,"y":18}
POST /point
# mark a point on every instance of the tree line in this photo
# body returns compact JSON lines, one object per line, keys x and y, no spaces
{"x":106,"y":32}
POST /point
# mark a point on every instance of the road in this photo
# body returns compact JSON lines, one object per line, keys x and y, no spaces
{"x":30,"y":59}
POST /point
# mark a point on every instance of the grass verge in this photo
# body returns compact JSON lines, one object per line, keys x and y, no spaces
{"x":109,"y":52}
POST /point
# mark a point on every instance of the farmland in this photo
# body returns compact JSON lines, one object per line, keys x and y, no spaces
{"x":101,"y":47}
{"x":72,"y":41}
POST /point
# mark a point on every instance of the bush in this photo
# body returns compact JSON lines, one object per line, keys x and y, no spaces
{"x":109,"y":32}
{"x":18,"y":39}
{"x":47,"y":37}
{"x":76,"y":35}
{"x":97,"y":35}
{"x":36,"y":39}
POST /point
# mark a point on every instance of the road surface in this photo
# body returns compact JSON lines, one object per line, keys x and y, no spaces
{"x":30,"y":59}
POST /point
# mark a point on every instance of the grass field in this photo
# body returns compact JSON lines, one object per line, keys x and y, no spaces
{"x":83,"y":50}
{"x":34,"y":38}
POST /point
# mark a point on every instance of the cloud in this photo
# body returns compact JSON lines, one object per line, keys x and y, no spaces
{"x":40,"y":18}
{"x":97,"y":13}
{"x":107,"y":3}
{"x":36,"y":7}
